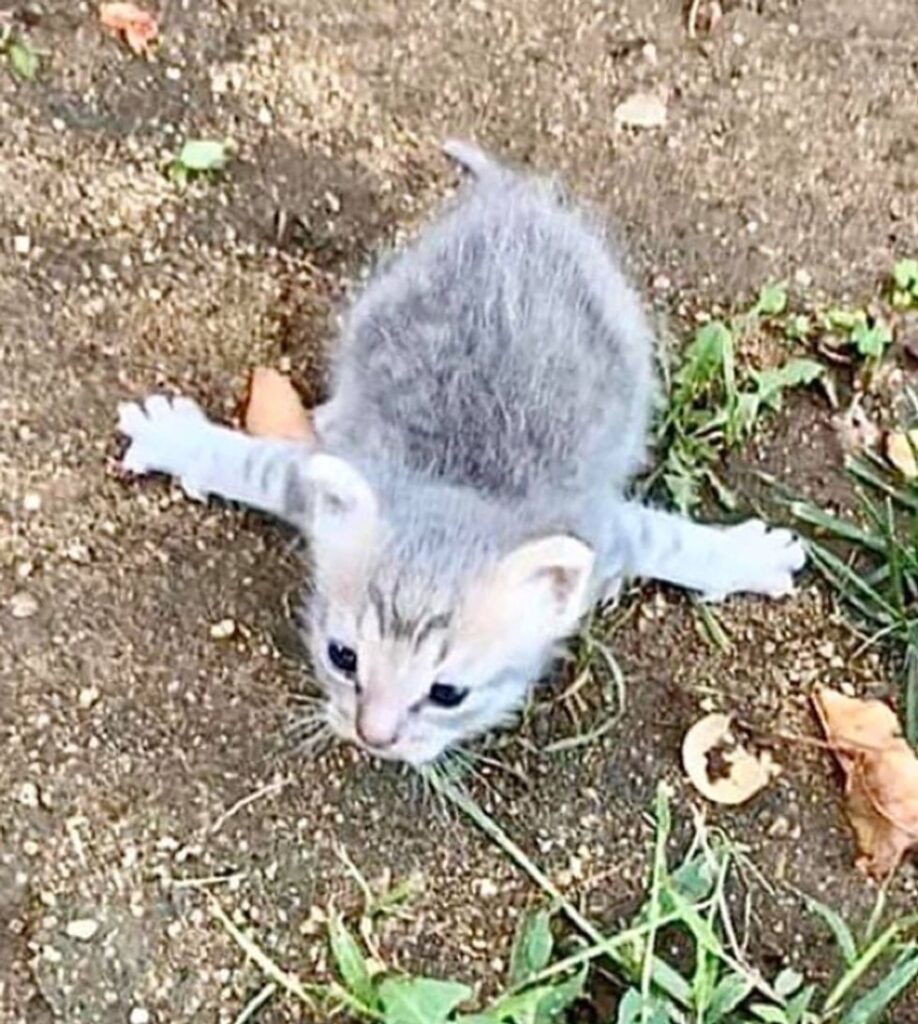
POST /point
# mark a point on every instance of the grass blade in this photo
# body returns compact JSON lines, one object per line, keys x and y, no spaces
{"x":868,"y":1008}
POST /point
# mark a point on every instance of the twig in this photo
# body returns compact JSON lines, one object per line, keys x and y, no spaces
{"x":266,"y":790}
{"x":256,"y":1003}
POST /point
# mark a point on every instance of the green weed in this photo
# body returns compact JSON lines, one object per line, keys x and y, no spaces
{"x":713,"y":983}
{"x":23,"y":61}
{"x":878,"y":578}
{"x":715,"y":405}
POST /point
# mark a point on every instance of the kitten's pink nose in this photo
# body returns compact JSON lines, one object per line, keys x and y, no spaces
{"x":377,"y":726}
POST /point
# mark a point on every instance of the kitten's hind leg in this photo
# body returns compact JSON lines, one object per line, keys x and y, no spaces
{"x":715,"y":560}
{"x":173,"y":436}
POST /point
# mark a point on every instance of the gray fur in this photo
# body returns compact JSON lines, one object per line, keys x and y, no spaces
{"x":492,"y":388}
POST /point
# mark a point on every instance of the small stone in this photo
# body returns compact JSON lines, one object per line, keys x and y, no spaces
{"x":641,"y":110}
{"x":24,"y":570}
{"x":22,"y":245}
{"x":332,"y":202}
{"x":487,"y":888}
{"x":27,"y":794}
{"x":139,"y":1015}
{"x":23,"y":605}
{"x":88,"y":696}
{"x":77,"y":552}
{"x":82,"y":929}
{"x":223,"y":630}
{"x":173,"y":74}
{"x":31,"y":502}
{"x":30,"y":848}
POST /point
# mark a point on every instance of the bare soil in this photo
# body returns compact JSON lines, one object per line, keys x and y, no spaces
{"x":127,"y":731}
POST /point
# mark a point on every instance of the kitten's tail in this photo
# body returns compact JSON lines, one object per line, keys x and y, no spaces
{"x":472,"y":158}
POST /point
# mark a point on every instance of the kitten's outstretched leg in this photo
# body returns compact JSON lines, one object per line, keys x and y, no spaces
{"x":714,"y":560}
{"x":172,"y":435}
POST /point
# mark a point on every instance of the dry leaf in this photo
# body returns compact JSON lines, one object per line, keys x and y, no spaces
{"x":272,"y":408}
{"x":741,"y":773}
{"x":642,"y":110}
{"x":139,"y":27}
{"x":881,"y":777}
{"x":900,"y":450}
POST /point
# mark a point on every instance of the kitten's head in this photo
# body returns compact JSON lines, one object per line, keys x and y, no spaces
{"x":425,"y":629}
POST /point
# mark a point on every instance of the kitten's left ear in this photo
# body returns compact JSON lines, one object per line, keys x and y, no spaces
{"x":545,"y":580}
{"x":345,"y":512}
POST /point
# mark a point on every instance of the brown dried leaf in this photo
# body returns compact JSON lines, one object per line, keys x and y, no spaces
{"x":881,"y":777}
{"x":744,"y":773}
{"x":900,"y":451}
{"x":139,"y":27}
{"x":272,"y":408}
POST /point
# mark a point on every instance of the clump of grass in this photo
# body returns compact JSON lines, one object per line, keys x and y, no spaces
{"x":715,"y":404}
{"x":878,"y":577}
{"x":713,"y":984}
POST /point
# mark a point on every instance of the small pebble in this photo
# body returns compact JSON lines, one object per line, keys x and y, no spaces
{"x":23,"y":605}
{"x":22,"y":245}
{"x":31,"y":502}
{"x":88,"y":696}
{"x":223,"y":629}
{"x":82,"y":929}
{"x":139,"y":1015}
{"x":28,"y":794}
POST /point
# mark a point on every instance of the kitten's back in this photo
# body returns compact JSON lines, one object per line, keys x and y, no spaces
{"x":503,"y":350}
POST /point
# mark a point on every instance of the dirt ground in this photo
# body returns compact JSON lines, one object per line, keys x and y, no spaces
{"x":127,"y":732}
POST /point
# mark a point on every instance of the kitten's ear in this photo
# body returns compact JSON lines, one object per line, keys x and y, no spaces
{"x":547,"y":580}
{"x":344,"y":511}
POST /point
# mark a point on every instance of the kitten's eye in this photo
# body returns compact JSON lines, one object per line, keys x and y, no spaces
{"x":445,"y":695}
{"x":343,"y":658}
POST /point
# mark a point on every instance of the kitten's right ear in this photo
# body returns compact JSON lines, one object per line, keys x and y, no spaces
{"x":344,"y":508}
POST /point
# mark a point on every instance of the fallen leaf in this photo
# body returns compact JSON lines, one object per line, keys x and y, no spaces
{"x":272,"y":408}
{"x":881,"y":777}
{"x":900,"y":450}
{"x":743,"y":773}
{"x":642,"y":110}
{"x":138,"y":26}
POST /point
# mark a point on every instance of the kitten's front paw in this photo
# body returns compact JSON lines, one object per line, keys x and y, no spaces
{"x":165,"y":435}
{"x":764,"y":560}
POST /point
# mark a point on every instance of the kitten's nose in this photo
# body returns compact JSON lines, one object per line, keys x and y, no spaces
{"x":377,"y":726}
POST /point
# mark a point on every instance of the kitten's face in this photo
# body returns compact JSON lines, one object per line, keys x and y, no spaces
{"x":410,"y":669}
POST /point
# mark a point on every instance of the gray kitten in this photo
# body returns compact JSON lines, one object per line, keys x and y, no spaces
{"x":489,"y":404}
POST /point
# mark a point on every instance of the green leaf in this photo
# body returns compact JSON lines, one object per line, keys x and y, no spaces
{"x":706,"y":358}
{"x":797,"y":327}
{"x":694,"y":878}
{"x":871,"y":339}
{"x":351,"y":963}
{"x":843,"y":319}
{"x":23,"y":59}
{"x":842,"y":933}
{"x":787,"y":982}
{"x":420,"y":1000}
{"x":772,"y":300}
{"x":771,"y":384}
{"x":531,"y":948}
{"x":905,"y":274}
{"x":542,"y":1004}
{"x":868,"y":1008}
{"x":629,"y":1007}
{"x":797,"y":1007}
{"x":204,"y":155}
{"x":769,"y":1014}
{"x":476,"y":1018}
{"x":731,"y":990}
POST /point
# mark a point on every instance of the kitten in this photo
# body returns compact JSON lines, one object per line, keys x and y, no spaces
{"x":489,"y":404}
